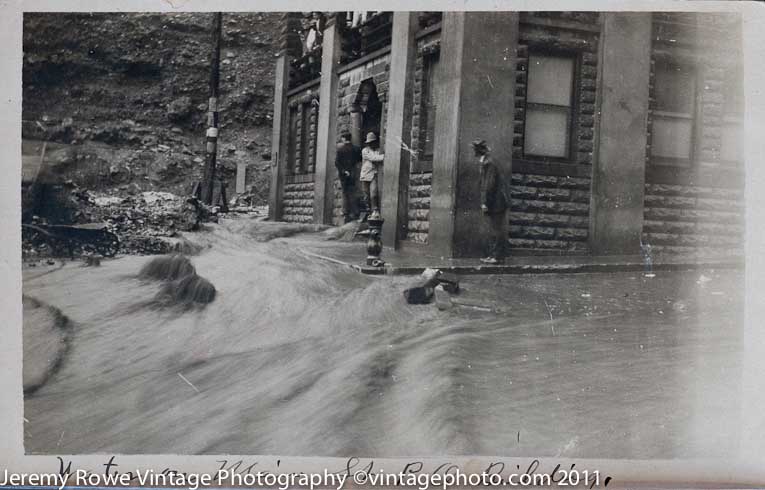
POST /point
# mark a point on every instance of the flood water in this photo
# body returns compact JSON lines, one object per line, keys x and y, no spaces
{"x":301,"y":357}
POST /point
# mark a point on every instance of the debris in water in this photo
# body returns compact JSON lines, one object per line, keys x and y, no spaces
{"x":443,"y":300}
{"x":167,"y":268}
{"x":418,"y":295}
{"x":188,"y":291}
{"x":183,"y":286}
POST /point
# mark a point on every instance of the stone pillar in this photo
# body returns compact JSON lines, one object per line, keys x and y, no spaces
{"x":326,"y":136}
{"x":618,"y":177}
{"x":279,"y":139}
{"x":241,"y":177}
{"x":477,"y":63}
{"x":398,"y":128}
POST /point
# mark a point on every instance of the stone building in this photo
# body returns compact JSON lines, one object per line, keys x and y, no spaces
{"x":613,"y":129}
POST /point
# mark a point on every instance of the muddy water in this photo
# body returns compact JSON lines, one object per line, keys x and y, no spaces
{"x":298,"y":357}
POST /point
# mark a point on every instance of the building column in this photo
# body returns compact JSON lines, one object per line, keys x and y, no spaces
{"x":618,"y":177}
{"x":398,"y":128}
{"x":326,"y":134}
{"x":279,"y":139}
{"x":478,"y":58}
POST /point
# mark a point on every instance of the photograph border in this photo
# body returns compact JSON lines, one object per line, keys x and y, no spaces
{"x":748,"y":470}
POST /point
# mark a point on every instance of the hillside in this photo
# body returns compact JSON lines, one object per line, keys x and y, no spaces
{"x":126,"y":93}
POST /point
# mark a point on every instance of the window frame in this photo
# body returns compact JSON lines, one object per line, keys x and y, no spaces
{"x":292,"y":141}
{"x":733,"y":111}
{"x":304,"y":141}
{"x":693,"y":116}
{"x":573,"y":108}
{"x":429,"y":111}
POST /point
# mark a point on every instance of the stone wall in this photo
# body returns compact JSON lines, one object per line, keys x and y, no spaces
{"x":298,"y":201}
{"x":418,"y":215}
{"x":683,"y":218}
{"x":549,"y":212}
{"x":698,"y":205}
{"x":550,"y":202}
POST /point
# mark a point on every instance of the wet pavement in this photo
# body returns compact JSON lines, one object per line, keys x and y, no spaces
{"x":303,"y":357}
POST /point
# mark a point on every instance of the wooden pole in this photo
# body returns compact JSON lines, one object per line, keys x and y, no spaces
{"x":212,"y":115}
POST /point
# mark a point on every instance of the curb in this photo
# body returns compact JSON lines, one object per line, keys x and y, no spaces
{"x":511,"y":269}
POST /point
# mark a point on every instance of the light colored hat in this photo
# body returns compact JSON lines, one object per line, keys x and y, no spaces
{"x":371,"y":137}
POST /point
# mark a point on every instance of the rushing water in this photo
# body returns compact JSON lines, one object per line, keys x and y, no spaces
{"x":300,"y":357}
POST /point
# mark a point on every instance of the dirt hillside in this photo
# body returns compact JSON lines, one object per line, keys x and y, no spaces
{"x":127,"y":92}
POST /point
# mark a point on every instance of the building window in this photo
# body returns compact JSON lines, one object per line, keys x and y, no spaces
{"x":429,"y":106}
{"x":305,"y":130}
{"x":732,"y":145}
{"x":292,"y":141}
{"x":549,"y":106}
{"x":673,"y":114}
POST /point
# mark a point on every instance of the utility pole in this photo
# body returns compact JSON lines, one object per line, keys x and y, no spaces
{"x":208,"y":181}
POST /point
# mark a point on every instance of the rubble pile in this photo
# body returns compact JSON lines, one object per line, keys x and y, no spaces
{"x":144,"y":222}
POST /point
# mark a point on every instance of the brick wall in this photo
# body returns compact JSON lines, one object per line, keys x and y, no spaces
{"x":376,"y":70}
{"x":550,"y":201}
{"x":698,"y":205}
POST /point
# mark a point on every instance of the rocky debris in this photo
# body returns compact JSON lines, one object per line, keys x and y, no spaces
{"x":180,"y":109}
{"x":92,"y":260}
{"x":182,"y":286}
{"x":450,"y":282}
{"x":145,"y":223}
{"x":443,"y":299}
{"x":137,"y":84}
{"x":433,"y":283}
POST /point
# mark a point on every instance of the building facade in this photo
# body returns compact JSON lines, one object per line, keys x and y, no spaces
{"x":613,"y":130}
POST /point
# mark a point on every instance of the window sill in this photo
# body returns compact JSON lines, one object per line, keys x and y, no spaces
{"x":555,"y":168}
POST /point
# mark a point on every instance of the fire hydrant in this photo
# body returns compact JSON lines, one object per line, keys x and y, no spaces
{"x":374,"y":241}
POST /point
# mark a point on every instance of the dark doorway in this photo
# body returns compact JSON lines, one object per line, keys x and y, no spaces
{"x":369,"y":108}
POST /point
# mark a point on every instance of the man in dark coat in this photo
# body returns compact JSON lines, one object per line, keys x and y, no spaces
{"x":493,"y":202}
{"x":348,"y":156}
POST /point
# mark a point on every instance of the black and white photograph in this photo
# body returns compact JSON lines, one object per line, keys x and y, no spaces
{"x":385,"y":234}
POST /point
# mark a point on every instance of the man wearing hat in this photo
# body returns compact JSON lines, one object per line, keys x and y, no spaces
{"x":348,"y":157}
{"x":493,"y":202}
{"x":371,"y":159}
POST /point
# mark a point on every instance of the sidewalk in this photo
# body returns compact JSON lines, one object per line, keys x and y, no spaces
{"x":413,"y":261}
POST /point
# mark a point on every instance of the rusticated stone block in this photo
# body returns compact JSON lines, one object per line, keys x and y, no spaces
{"x":571,"y":208}
{"x":523,"y":192}
{"x":537,"y":232}
{"x":540,"y":180}
{"x":571,"y":234}
{"x":523,"y":218}
{"x":575,"y":183}
{"x":520,"y":242}
{"x":553,"y":194}
{"x":579,"y":221}
{"x":552,"y":219}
